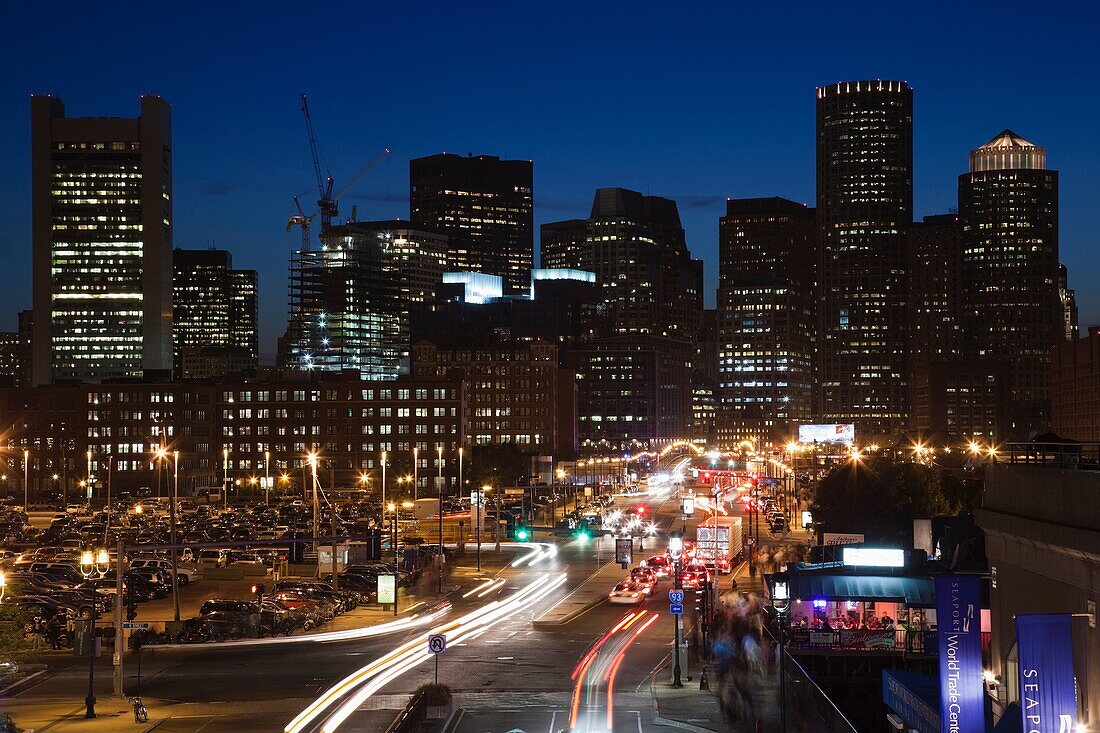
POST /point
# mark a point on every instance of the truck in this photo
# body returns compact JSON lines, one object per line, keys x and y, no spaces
{"x":719,"y":543}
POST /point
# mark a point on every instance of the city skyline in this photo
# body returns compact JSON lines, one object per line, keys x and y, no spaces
{"x":237,"y":167}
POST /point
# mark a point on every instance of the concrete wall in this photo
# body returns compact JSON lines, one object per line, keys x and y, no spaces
{"x":1042,"y":530}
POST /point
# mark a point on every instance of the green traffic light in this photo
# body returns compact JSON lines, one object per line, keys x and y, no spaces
{"x":583,"y":537}
{"x":521,"y":534}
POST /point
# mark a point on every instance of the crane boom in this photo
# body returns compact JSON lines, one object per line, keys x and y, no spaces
{"x":313,"y":146}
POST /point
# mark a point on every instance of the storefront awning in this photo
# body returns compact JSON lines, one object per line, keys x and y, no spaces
{"x":919,"y":592}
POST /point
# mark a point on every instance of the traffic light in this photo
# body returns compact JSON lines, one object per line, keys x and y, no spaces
{"x":258,"y":591}
{"x":522,"y":533}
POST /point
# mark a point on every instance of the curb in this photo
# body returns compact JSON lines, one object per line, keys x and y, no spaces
{"x":156,"y":725}
{"x":658,"y":719}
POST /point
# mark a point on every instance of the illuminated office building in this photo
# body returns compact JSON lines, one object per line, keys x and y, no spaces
{"x":561,"y":243}
{"x":864,"y":206}
{"x":101,"y":192}
{"x":214,"y":308}
{"x":351,"y":300}
{"x":1013,"y":291}
{"x":766,"y":319}
{"x":484,"y":205}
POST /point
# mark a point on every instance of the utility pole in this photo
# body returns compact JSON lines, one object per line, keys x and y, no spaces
{"x":120,"y":632}
{"x":175,"y":551}
{"x":442,"y":557}
{"x":267,"y":478}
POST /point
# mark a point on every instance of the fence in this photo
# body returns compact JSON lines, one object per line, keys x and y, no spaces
{"x":877,"y":641}
{"x":1071,"y":456}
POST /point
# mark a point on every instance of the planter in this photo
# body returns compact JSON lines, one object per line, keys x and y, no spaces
{"x":438,"y":712}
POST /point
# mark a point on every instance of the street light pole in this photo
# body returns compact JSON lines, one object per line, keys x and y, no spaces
{"x":93,"y":563}
{"x":442,"y":557}
{"x":267,"y":477}
{"x":225,"y":479}
{"x":172,"y":512}
{"x":26,"y":478}
{"x":676,"y":547}
{"x":416,"y":475}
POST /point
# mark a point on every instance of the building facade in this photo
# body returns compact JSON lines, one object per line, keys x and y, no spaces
{"x":101,"y":190}
{"x":485,"y":206}
{"x":562,"y":243}
{"x":515,"y":392}
{"x":632,"y":390}
{"x":1075,"y":388}
{"x":214,"y":307}
{"x":351,"y":300}
{"x":766,"y":319}
{"x":1012,"y":304}
{"x":239,"y":428}
{"x":959,"y":400}
{"x":864,"y":207}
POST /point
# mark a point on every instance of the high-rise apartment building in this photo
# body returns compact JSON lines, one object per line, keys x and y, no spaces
{"x":766,"y":319}
{"x":1013,"y":309}
{"x":485,"y":207}
{"x":101,"y":192}
{"x":214,"y":308}
{"x":1068,"y":296}
{"x":864,"y":207}
{"x":351,"y":300}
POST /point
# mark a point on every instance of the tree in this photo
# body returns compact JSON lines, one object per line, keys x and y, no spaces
{"x":14,"y":646}
{"x":880,"y":498}
{"x":503,"y":464}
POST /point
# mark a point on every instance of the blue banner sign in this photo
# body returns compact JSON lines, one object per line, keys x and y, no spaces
{"x":958,"y":618}
{"x":1048,"y":693}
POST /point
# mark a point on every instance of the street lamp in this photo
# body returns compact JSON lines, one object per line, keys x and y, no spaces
{"x":26,"y":478}
{"x":393,"y":541}
{"x":441,"y":559}
{"x":416,"y":476}
{"x":225,"y":478}
{"x":676,"y":549}
{"x":781,"y":602}
{"x":95,"y":563}
{"x":3,"y":585}
{"x":267,"y":477}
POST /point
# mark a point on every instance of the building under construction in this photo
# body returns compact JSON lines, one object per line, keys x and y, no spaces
{"x":350,"y":300}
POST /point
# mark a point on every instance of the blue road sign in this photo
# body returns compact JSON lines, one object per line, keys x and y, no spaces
{"x":676,"y":596}
{"x":676,"y":608}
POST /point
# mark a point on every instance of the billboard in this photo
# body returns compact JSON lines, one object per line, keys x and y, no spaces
{"x":962,"y":691}
{"x":1048,"y":695}
{"x":836,"y":433}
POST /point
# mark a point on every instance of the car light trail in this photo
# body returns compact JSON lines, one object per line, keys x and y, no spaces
{"x":600,"y":665}
{"x":324,"y":637}
{"x":363,"y":683}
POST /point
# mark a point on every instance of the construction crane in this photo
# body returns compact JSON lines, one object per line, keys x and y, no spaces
{"x":327,"y":203}
{"x":305,"y":222}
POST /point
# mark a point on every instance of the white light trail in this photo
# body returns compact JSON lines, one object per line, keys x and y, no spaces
{"x":372,"y":677}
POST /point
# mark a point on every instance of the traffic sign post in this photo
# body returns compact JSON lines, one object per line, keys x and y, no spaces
{"x":676,"y":596}
{"x":676,"y":608}
{"x":437,"y":644}
{"x":142,"y":625}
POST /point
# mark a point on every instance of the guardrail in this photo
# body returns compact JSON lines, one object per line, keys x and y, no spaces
{"x":869,"y":641}
{"x":1071,"y":456}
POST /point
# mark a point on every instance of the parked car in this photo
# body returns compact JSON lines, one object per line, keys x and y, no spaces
{"x":185,"y":575}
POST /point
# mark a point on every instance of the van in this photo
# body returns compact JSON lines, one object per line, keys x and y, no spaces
{"x":213,"y":558}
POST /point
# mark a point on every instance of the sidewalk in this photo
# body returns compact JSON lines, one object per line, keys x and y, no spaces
{"x":692,"y":709}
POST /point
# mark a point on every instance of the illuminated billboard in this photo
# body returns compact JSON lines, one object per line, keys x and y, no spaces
{"x":837,"y":433}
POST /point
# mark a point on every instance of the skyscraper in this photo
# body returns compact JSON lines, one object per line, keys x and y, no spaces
{"x":935,"y":252}
{"x":864,"y":206}
{"x":1012,"y":299}
{"x":101,"y":192}
{"x":766,"y":319}
{"x":350,"y":301}
{"x":562,"y":243}
{"x":214,"y":307}
{"x":484,"y":205}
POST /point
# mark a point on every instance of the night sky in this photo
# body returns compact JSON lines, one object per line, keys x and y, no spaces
{"x":696,"y":105}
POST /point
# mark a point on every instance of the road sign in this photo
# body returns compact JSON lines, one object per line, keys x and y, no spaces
{"x":437,"y":643}
{"x":676,"y":608}
{"x":135,"y":625}
{"x":676,"y":596}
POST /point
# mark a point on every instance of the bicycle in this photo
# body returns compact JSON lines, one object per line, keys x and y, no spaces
{"x":141,"y":715}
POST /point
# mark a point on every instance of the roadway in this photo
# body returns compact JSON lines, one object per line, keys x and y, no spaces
{"x":505,"y":672}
